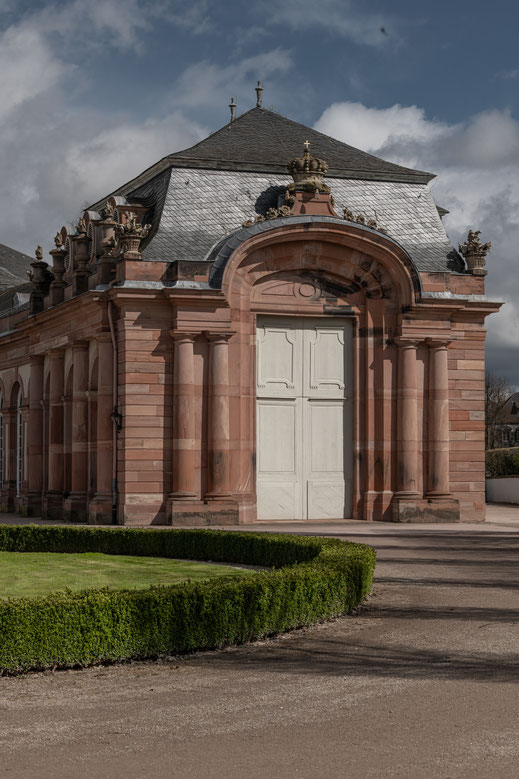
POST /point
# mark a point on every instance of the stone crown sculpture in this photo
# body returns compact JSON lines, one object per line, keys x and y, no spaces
{"x":308,"y":172}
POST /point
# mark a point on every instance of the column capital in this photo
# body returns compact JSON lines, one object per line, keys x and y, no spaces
{"x":219,"y":337}
{"x":36,"y":359}
{"x":181,"y":335}
{"x":408,"y":343}
{"x":103,"y":337}
{"x":80,"y":346}
{"x":438,"y":343}
{"x":55,"y":354}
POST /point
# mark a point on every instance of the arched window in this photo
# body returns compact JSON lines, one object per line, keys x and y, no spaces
{"x":19,"y":445}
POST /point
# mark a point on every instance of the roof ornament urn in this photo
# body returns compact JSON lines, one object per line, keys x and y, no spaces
{"x":129,"y":235}
{"x":474,"y":253}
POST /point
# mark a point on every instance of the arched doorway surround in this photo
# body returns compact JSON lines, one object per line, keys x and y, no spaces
{"x":326,"y":269}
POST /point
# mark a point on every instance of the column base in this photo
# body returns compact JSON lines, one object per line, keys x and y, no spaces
{"x":75,"y":507}
{"x":21,"y":505}
{"x":52,"y":506}
{"x":34,"y":501}
{"x":100,"y":509}
{"x":418,"y":509}
{"x":374,"y":506}
{"x":188,"y":513}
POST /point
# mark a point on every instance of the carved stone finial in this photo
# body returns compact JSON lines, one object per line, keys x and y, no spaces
{"x":81,"y":226}
{"x":58,"y":240}
{"x":475,"y":252}
{"x":39,"y":253}
{"x":363,"y":220}
{"x":232,"y":106}
{"x":107,"y":211}
{"x":259,"y":90}
{"x":132,"y":227}
{"x":130,"y":234}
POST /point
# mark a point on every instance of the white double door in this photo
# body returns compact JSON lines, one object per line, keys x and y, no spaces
{"x":304,"y":408}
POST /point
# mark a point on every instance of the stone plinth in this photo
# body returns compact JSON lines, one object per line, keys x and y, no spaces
{"x":425,"y":510}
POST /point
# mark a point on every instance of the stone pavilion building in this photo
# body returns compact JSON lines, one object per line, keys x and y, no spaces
{"x":268,"y":325}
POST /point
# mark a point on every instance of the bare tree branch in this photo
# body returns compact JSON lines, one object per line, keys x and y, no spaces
{"x":497,"y":394}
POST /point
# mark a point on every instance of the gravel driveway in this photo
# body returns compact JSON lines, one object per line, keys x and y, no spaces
{"x":422,"y":682}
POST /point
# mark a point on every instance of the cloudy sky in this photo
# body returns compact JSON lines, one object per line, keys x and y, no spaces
{"x":94,"y":91}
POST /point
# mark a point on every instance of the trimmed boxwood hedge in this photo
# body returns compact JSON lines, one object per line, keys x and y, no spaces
{"x":311,"y":579}
{"x":502,"y":462}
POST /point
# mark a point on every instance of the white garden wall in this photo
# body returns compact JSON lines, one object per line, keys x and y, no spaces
{"x":505,"y":490}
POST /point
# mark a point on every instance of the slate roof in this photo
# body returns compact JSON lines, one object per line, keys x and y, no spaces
{"x":203,"y":193}
{"x":13,"y":267}
{"x":265,"y":141}
{"x":202,"y":206}
{"x":14,"y":298}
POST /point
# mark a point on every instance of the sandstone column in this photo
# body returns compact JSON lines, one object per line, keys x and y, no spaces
{"x":35,"y":438}
{"x":184,"y":487}
{"x":101,"y":506}
{"x":407,"y":439}
{"x":438,"y":476}
{"x":79,"y":439}
{"x":55,"y":491}
{"x":218,"y":415}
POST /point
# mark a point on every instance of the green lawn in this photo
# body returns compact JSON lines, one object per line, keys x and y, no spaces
{"x":31,"y":574}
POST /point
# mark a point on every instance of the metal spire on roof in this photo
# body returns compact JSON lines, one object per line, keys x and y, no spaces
{"x":232,"y":106}
{"x":259,"y":90}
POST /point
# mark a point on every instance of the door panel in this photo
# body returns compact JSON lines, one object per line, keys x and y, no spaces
{"x":279,"y":360}
{"x":324,"y":361}
{"x":304,"y":440}
{"x":279,"y":466}
{"x":327,"y":459}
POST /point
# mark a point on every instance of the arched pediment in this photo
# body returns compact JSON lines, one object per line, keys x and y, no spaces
{"x":351,"y":253}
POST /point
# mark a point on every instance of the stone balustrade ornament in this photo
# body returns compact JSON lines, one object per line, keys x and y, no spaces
{"x":130,"y":234}
{"x":81,"y":227}
{"x":363,"y":220}
{"x":474,"y":252}
{"x":107,"y":212}
{"x":40,"y":276}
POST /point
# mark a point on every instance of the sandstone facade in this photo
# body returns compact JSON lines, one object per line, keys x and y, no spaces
{"x":129,"y":381}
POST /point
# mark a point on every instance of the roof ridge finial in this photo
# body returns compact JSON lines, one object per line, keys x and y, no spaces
{"x":259,"y":90}
{"x":232,"y":106}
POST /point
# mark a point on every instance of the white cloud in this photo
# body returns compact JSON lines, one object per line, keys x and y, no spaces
{"x":116,"y":23}
{"x":57,"y":157}
{"x":97,"y":165}
{"x":477,"y":167}
{"x":341,"y":18}
{"x":374,"y":128}
{"x":194,"y":16}
{"x":28,"y":67}
{"x":207,"y":84}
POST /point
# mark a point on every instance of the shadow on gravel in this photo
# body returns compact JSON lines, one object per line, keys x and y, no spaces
{"x":341,"y":657}
{"x":437,"y":582}
{"x":470,"y":613}
{"x":512,"y":565}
